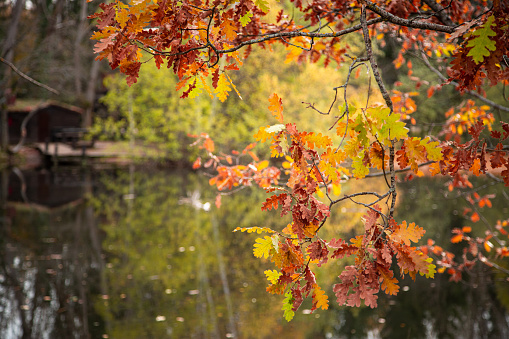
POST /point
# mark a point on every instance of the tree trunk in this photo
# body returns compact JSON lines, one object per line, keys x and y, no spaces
{"x":8,"y":54}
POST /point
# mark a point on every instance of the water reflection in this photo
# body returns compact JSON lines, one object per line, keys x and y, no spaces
{"x":50,"y":259}
{"x":140,"y":253}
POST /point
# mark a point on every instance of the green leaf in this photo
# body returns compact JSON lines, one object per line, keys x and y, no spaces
{"x":262,"y":247}
{"x":287,"y":306}
{"x":245,"y":19}
{"x":482,"y":45}
{"x":263,"y":5}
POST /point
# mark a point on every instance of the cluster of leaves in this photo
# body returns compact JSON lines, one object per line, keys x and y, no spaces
{"x":314,"y":164}
{"x":201,"y":42}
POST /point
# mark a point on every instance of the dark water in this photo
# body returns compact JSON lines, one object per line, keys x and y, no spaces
{"x":139,"y":252}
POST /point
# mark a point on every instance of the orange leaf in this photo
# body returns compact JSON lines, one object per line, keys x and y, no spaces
{"x":197,"y":163}
{"x":475,"y":217}
{"x":218,"y":201}
{"x":276,"y":107}
{"x":405,"y":234}
{"x":466,"y":229}
{"x":457,"y":238}
{"x":255,"y":158}
{"x":209,"y":145}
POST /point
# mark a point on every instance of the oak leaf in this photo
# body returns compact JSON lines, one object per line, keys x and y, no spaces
{"x":276,"y":107}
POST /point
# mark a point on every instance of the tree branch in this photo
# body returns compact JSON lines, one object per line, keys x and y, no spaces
{"x":26,"y":77}
{"x":424,"y":58}
{"x":405,"y":22}
{"x":372,"y":61}
{"x":439,"y":12}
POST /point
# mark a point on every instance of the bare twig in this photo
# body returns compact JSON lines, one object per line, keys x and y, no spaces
{"x":493,"y":104}
{"x":26,"y":77}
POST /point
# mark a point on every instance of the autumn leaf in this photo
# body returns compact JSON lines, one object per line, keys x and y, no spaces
{"x":245,"y":19}
{"x":320,"y":299}
{"x":406,"y":233}
{"x":276,"y":107}
{"x":223,"y":87}
{"x":209,"y":145}
{"x":217,"y":202}
{"x":197,"y":163}
{"x":389,"y":283}
{"x":262,"y":247}
{"x":476,"y":167}
{"x":254,"y":229}
{"x":272,"y":276}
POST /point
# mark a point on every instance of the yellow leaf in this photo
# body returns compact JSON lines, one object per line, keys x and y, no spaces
{"x":254,"y":229}
{"x":222,"y":88}
{"x":262,"y":165}
{"x":272,"y":276}
{"x":262,"y":135}
{"x":262,"y":247}
{"x":276,"y":107}
{"x":336,"y":189}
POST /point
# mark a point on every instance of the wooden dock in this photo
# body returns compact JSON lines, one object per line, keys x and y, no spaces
{"x":107,"y":150}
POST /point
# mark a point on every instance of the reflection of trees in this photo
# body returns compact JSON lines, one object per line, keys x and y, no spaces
{"x":49,"y":260}
{"x":469,"y":309}
{"x":175,"y":270}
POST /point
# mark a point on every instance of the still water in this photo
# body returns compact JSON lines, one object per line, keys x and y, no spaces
{"x":142,"y":252}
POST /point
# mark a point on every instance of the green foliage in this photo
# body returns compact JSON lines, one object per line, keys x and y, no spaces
{"x":287,"y":306}
{"x":482,"y":44}
{"x":151,"y":113}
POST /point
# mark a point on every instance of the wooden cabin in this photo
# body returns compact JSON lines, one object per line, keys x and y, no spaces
{"x":46,"y":119}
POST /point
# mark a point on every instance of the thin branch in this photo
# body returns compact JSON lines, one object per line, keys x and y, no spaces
{"x":26,"y":77}
{"x":406,"y":169}
{"x":439,"y":11}
{"x":405,"y":22}
{"x":424,"y":58}
{"x":350,"y":196}
{"x":271,"y":36}
{"x":372,"y":61}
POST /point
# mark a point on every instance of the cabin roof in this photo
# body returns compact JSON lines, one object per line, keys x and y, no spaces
{"x":28,"y":105}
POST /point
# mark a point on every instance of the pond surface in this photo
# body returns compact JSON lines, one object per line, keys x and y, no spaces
{"x":141,"y":252}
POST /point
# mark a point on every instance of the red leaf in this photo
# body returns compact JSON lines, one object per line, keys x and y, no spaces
{"x":215,"y":78}
{"x":476,"y":129}
{"x":505,"y":127}
{"x":497,"y":157}
{"x":496,"y":134}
